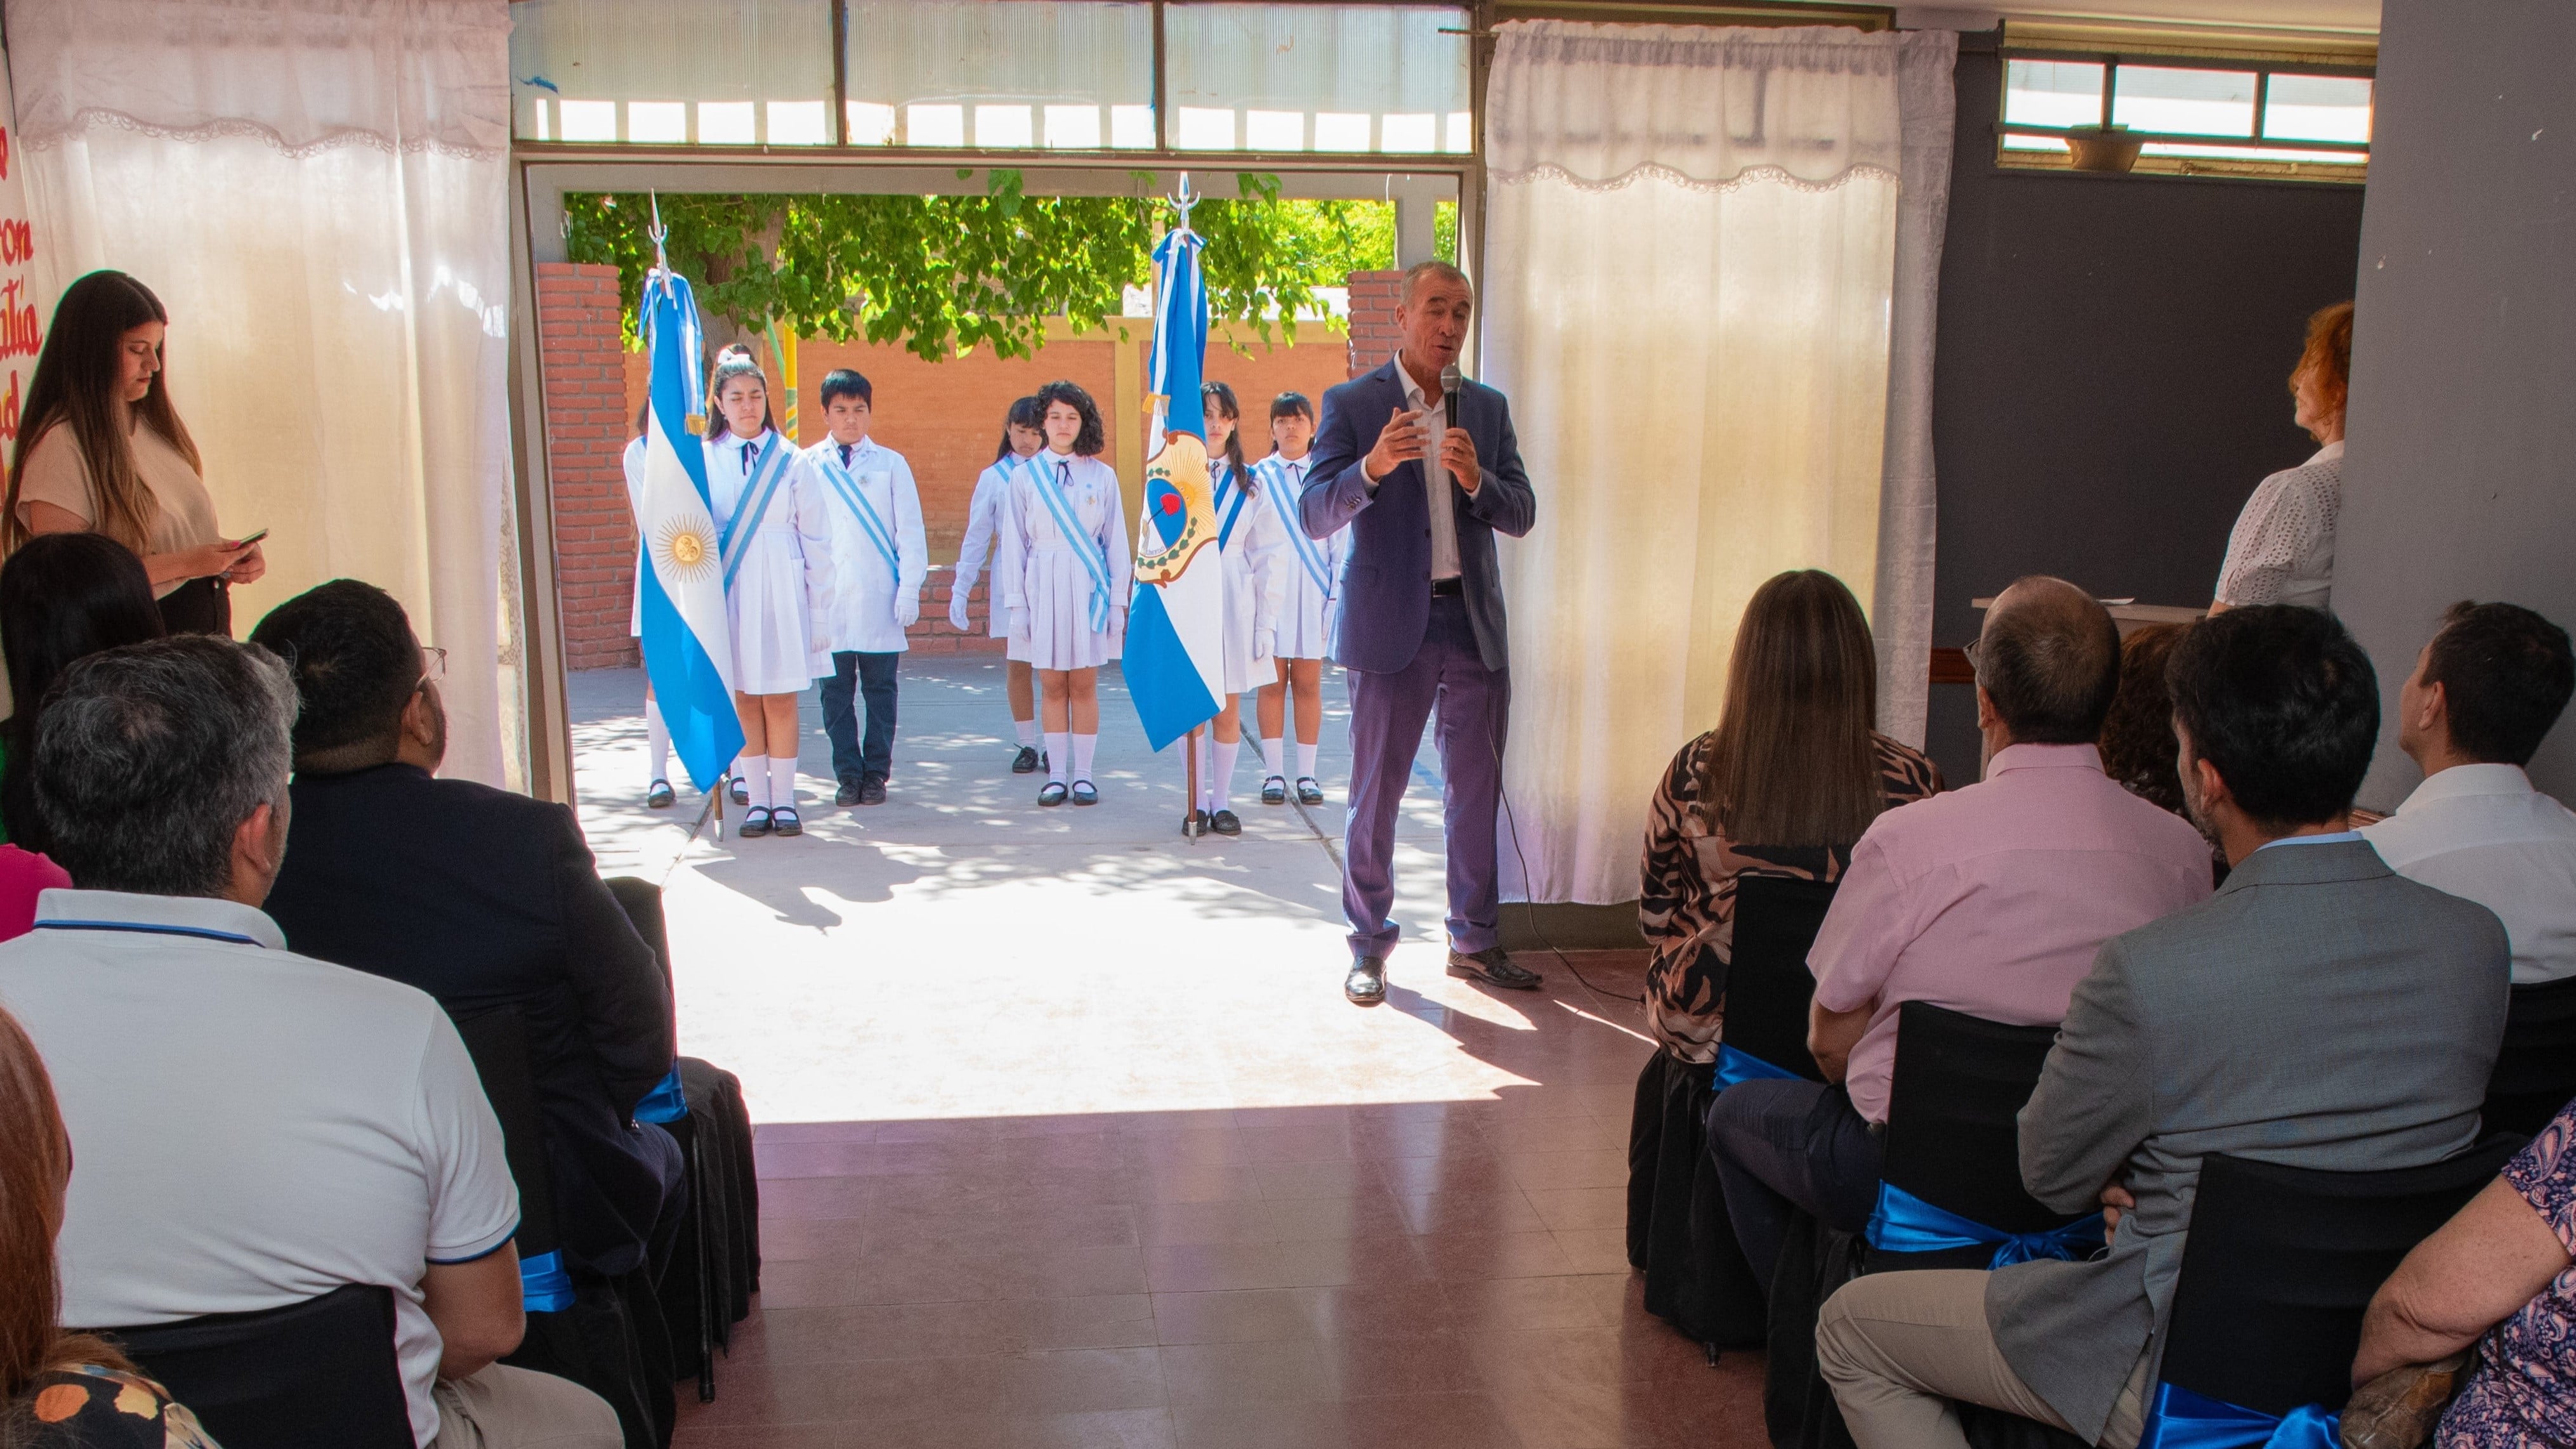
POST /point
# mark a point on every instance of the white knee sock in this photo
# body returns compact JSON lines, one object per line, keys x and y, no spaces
{"x":753,"y":771}
{"x":782,"y":782}
{"x":1305,"y":760}
{"x":657,"y":739}
{"x":1221,"y":779}
{"x":1082,"y":745}
{"x":1270,"y":749}
{"x":1028,"y":732}
{"x":1058,"y":756}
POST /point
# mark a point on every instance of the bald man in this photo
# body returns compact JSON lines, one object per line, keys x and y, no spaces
{"x":1990,"y":900}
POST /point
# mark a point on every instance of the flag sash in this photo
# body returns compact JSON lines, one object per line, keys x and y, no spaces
{"x":1233,"y":508}
{"x":855,"y":499}
{"x":1310,"y":551}
{"x":768,"y":470}
{"x":1082,"y":544}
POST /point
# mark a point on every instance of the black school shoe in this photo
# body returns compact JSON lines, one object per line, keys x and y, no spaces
{"x":1025,"y":762}
{"x":849,"y":793}
{"x":740,"y":791}
{"x":1084,"y":794}
{"x":783,"y":821}
{"x":1225,"y":822}
{"x":754,"y":825}
{"x":659,"y":797}
{"x":1274,"y":791}
{"x":872,"y":790}
{"x":1052,"y":795}
{"x":1309,"y":791}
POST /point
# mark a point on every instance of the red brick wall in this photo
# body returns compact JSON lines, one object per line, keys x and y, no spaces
{"x":587,"y":424}
{"x":1373,"y":334}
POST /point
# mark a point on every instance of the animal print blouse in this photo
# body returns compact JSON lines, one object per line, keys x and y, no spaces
{"x":1686,"y":897}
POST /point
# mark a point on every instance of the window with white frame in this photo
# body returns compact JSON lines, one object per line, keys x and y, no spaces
{"x":2204,"y":116}
{"x":745,"y":73}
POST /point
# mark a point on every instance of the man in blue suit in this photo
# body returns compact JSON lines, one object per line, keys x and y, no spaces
{"x":1422,"y":617}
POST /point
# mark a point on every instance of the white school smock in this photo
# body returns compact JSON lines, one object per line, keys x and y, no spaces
{"x":1307,"y":610}
{"x":1044,"y":586}
{"x":635,"y":504}
{"x":872,"y":605}
{"x":780,"y":600}
{"x":1251,"y":563}
{"x":983,"y":535}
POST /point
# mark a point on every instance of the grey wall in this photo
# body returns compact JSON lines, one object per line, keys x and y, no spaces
{"x":2112,"y":372}
{"x":2460,"y":481}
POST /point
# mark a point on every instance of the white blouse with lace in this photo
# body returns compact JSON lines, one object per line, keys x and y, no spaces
{"x":2282,"y":549}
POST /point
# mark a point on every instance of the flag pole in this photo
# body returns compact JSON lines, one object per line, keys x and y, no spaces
{"x":661,"y":233}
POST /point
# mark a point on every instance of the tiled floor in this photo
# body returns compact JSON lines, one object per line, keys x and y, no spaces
{"x":1079,"y":1145}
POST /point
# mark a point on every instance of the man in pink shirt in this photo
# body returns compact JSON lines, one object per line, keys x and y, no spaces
{"x":1991,"y":900}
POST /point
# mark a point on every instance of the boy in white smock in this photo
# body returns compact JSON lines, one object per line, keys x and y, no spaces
{"x":880,"y":562}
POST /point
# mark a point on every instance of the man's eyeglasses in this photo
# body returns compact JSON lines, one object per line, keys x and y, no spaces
{"x":433,"y":664}
{"x":1971,"y":649}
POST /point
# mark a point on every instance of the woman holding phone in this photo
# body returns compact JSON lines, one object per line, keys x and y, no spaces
{"x":101,"y":450}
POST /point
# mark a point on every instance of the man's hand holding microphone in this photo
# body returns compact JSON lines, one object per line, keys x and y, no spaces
{"x":1407,"y":437}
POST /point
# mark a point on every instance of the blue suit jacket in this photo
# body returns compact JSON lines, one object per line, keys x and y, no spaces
{"x":1385,"y":588}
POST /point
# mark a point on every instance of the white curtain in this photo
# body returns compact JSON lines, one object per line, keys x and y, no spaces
{"x":1691,"y":283}
{"x":317,"y":191}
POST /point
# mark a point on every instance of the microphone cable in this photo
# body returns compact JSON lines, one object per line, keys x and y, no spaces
{"x":1505,"y":796}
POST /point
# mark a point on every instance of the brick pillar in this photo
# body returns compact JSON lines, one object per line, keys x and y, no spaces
{"x":587,"y":423}
{"x":1373,"y":334}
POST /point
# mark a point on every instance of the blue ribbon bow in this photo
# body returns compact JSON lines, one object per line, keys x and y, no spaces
{"x":544,"y":1286}
{"x":1738,"y":1066}
{"x":2181,"y":1419}
{"x":1904,"y":1223}
{"x":666,"y":1102}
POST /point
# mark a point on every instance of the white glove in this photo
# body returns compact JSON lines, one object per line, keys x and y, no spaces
{"x":1118,"y":621}
{"x":957,"y":611}
{"x":907,"y":611}
{"x":1265,"y":645}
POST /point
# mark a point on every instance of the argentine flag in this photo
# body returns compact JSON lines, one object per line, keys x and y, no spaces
{"x":688,"y":643}
{"x":1173,"y":657}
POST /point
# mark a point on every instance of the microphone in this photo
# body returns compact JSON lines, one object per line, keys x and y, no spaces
{"x":1449,"y":394}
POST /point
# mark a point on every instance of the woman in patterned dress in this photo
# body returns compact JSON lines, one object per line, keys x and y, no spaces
{"x":1785,"y":784}
{"x":58,"y":1390}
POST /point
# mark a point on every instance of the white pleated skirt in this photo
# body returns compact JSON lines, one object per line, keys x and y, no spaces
{"x":1306,"y":617}
{"x":1059,"y":634}
{"x":773,"y":644}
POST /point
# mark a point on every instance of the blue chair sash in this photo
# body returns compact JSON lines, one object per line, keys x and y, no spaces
{"x":1904,"y":1223}
{"x":1738,"y":1066}
{"x":544,"y":1286}
{"x":665,"y":1103}
{"x":2181,"y":1419}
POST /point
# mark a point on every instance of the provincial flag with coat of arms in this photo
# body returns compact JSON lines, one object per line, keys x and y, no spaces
{"x":688,"y":642}
{"x":1174,"y":656}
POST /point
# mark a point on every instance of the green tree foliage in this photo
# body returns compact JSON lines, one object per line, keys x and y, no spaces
{"x":945,"y":275}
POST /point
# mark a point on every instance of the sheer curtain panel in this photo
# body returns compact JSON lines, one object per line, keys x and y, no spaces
{"x":1691,"y":290}
{"x":317,"y":191}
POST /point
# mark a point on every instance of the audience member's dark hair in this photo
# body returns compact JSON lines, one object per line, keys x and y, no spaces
{"x":1793,"y":761}
{"x":1292,"y":404}
{"x":2505,"y":673}
{"x":2050,"y":663}
{"x":2284,"y":704}
{"x":356,"y":664}
{"x":2138,"y":734}
{"x":1028,"y":413}
{"x":841,"y":382}
{"x":1093,"y":436}
{"x":33,"y":1172}
{"x":62,"y":596}
{"x":1227,"y":408}
{"x":149,"y":758}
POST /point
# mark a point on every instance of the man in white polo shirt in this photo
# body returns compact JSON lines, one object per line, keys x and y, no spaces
{"x":2484,"y":694}
{"x":252,"y":1128}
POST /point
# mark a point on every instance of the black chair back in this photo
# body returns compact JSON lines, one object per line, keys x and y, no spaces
{"x":2535,"y":1073}
{"x":318,"y":1372}
{"x":1959,"y":1083}
{"x":497,"y":1040}
{"x":2281,"y":1261}
{"x":1768,"y":985}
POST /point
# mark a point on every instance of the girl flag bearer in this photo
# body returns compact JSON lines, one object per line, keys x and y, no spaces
{"x":1313,"y":571}
{"x":1062,"y":575}
{"x":1249,"y":547}
{"x":775,"y":536}
{"x":1022,"y":436}
{"x":657,"y":792}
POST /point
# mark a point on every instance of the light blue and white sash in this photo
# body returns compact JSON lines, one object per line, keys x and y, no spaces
{"x":1231,"y":507}
{"x":1076,"y":538}
{"x":855,"y":498}
{"x":768,"y":471}
{"x":1310,"y":552}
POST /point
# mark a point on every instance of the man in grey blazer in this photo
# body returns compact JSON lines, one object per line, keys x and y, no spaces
{"x":2319,"y":1011}
{"x":1422,"y":618}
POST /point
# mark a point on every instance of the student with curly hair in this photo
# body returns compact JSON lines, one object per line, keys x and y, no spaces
{"x":1061,"y":576}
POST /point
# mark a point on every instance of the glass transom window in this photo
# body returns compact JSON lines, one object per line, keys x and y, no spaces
{"x":744,"y":73}
{"x":1008,"y":74}
{"x":1270,"y":78}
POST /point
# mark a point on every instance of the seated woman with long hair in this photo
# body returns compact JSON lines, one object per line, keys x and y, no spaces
{"x":1785,"y":784}
{"x":58,"y":1390}
{"x":63,"y":597}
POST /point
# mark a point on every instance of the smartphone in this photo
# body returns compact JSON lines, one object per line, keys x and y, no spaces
{"x":254,"y":538}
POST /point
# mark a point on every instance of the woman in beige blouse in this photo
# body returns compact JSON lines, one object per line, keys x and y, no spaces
{"x":101,"y":450}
